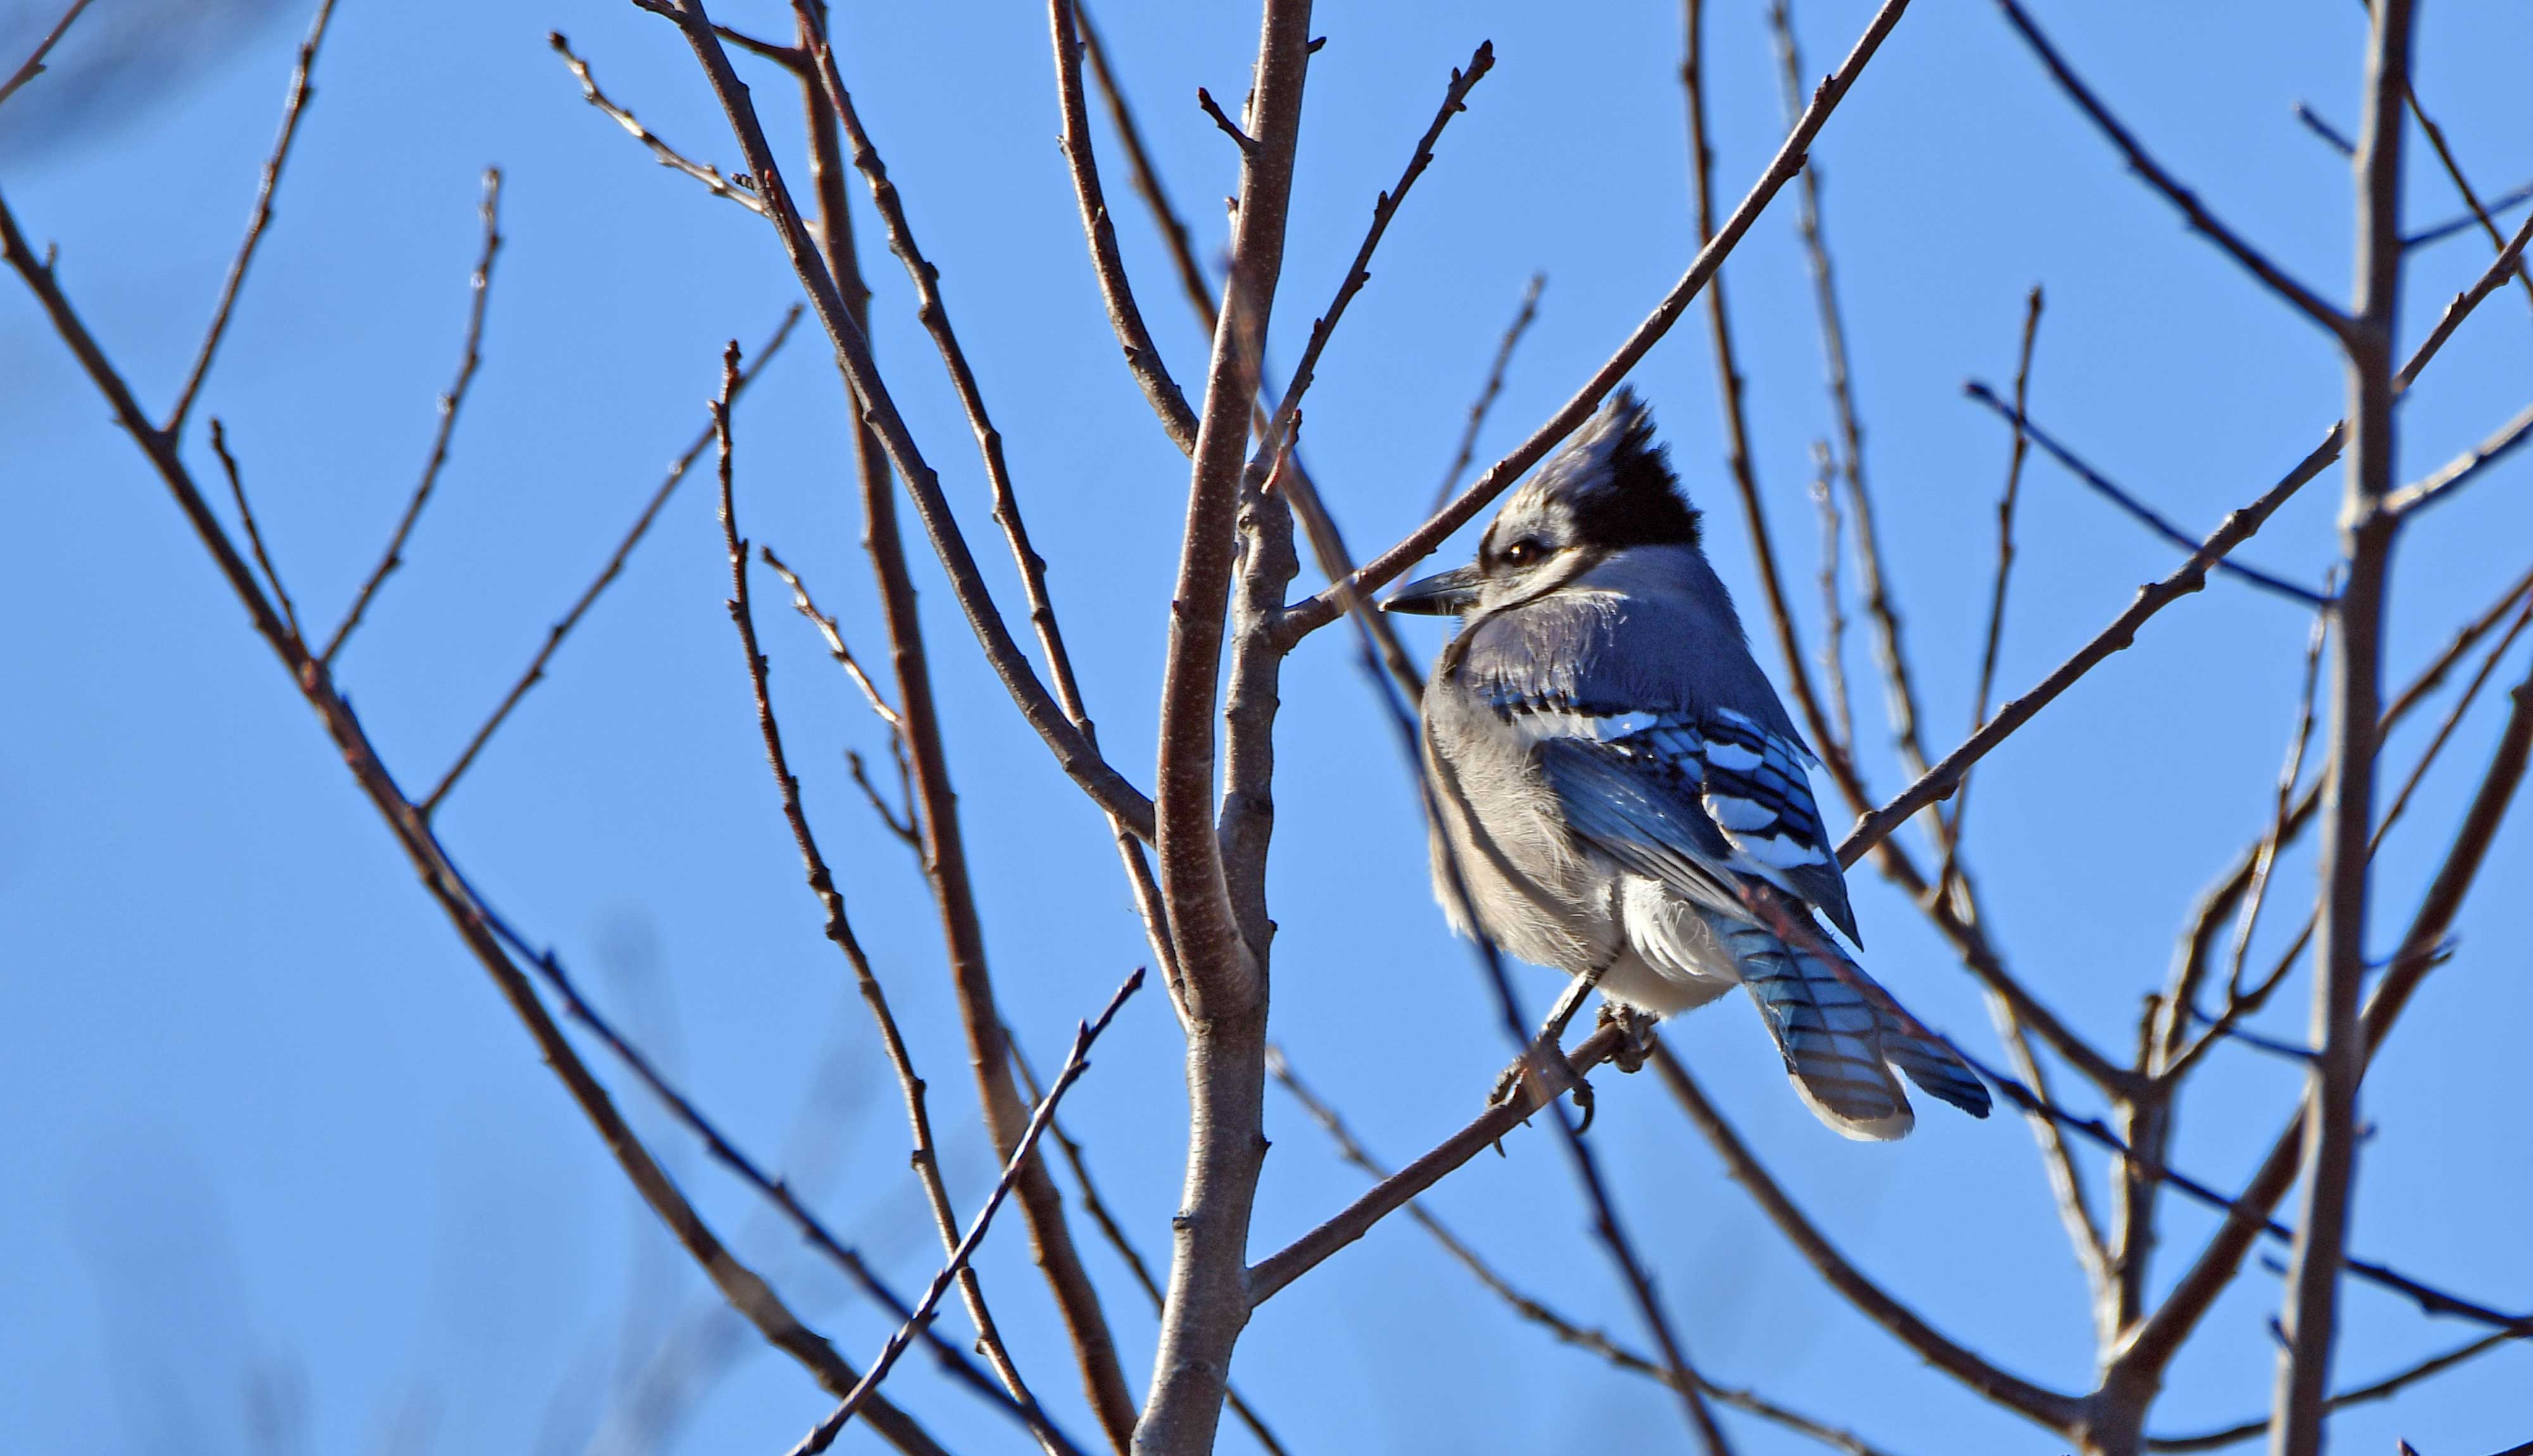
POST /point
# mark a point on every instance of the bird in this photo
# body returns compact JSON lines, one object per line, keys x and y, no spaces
{"x":1623,"y":796}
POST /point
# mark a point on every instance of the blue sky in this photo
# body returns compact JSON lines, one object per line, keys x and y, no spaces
{"x":276,"y":1146}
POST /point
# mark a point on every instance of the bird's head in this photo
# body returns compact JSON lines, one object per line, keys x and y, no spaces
{"x":1611,"y":488}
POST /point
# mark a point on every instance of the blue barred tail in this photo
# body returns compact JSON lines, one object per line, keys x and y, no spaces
{"x":1840,"y":1042}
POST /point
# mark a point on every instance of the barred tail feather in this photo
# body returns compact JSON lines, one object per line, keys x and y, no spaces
{"x":1934,"y":1067}
{"x":1829,"y":1034}
{"x":1841,"y":1035}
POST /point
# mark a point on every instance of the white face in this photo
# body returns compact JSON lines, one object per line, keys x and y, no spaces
{"x":1534,"y":545}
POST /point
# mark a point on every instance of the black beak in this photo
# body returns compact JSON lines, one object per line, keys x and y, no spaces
{"x":1443,"y":594}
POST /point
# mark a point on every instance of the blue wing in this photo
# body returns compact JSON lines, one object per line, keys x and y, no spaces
{"x":1690,"y":800}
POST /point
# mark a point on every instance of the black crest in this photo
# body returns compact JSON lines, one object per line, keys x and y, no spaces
{"x":1639,"y":502}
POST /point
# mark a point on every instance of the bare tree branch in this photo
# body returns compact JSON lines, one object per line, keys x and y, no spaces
{"x":2445,"y":158}
{"x":1529,"y":1307}
{"x":778,"y":1192}
{"x":1485,"y":400}
{"x":2460,"y":470}
{"x":253,"y":532}
{"x":1833,"y":655}
{"x":746,"y":1291}
{"x":2382,"y":1390}
{"x":2310,"y":1312}
{"x":1728,"y":379}
{"x":2152,"y":1346}
{"x":2005,"y":504}
{"x":2257,"y":263}
{"x":470,"y":356}
{"x":2048,"y":1408}
{"x":33,"y":64}
{"x":291,"y":109}
{"x":1143,"y":356}
{"x":2332,"y":137}
{"x":1900,"y":691}
{"x":1326,"y":607}
{"x":1235,"y":559}
{"x":944,"y":860}
{"x":1118,"y":1239}
{"x":1939,"y":781}
{"x":839,"y":928}
{"x":607,"y":574}
{"x":1079,"y":758}
{"x":1147,"y":181}
{"x":2136,"y":508}
{"x":734,"y":189}
{"x":1073,"y":1066}
{"x":835,"y":640}
{"x":1269,"y":1276}
{"x":2509,"y":260}
{"x":1455,"y":98}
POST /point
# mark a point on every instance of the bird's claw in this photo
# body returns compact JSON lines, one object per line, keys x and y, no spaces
{"x":1638,"y":1028}
{"x":1541,"y":1076}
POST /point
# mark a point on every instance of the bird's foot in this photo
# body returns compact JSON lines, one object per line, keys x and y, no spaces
{"x":1539,"y":1077}
{"x":1638,"y":1028}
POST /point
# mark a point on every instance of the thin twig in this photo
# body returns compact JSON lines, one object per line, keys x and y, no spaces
{"x":1071,"y":32}
{"x":2408,"y":964}
{"x":2506,"y":201}
{"x":2225,"y":894}
{"x":1074,"y":1064}
{"x":735,"y":188}
{"x":1889,"y":652}
{"x":1269,"y":1276}
{"x":2510,"y":259}
{"x":2037,"y":1403}
{"x":839,"y":928}
{"x":835,"y":640}
{"x":253,"y":532}
{"x":1204,"y":101}
{"x":2138,"y":510}
{"x":2257,"y":263}
{"x":1583,"y":1338}
{"x":468,"y":915}
{"x":777,"y":1191}
{"x":33,"y":64}
{"x":2066,"y":1181}
{"x":2460,"y":470}
{"x":934,"y":312}
{"x":2382,"y":1390}
{"x":1485,"y":400}
{"x":1832,"y":654}
{"x":470,"y":356}
{"x":1077,"y":756}
{"x":1737,"y":420}
{"x":1385,"y":208}
{"x":291,"y":110}
{"x":607,"y":574}
{"x":833,"y":259}
{"x":2235,"y":530}
{"x":2005,"y":504}
{"x":2445,"y":158}
{"x":2266,"y":861}
{"x":2152,"y":1347}
{"x":1148,"y":183}
{"x":1326,"y":606}
{"x":2330,"y":136}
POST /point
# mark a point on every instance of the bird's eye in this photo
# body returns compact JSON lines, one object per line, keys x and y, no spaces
{"x":1522,"y":552}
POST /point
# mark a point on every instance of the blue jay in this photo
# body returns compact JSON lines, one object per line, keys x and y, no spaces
{"x":1624,"y":796}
